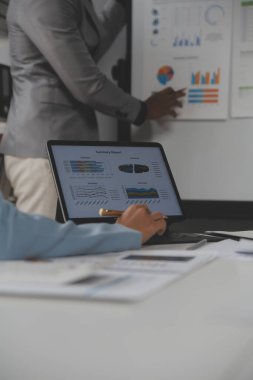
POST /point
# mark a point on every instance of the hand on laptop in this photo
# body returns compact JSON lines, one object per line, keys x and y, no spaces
{"x":140,"y":218}
{"x":164,"y":103}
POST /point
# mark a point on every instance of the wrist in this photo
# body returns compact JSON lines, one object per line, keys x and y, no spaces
{"x":142,"y":116}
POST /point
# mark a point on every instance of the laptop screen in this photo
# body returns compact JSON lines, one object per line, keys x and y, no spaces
{"x":94,"y":175}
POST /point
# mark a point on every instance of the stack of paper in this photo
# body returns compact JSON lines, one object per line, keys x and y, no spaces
{"x":130,"y":276}
{"x":233,"y":234}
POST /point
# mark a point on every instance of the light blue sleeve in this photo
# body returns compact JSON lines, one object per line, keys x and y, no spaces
{"x":23,"y":236}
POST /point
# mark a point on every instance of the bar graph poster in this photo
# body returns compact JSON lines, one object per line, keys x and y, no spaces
{"x":187,"y":44}
{"x":242,"y":85}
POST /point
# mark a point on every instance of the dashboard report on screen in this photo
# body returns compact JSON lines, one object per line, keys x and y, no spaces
{"x":89,"y":177}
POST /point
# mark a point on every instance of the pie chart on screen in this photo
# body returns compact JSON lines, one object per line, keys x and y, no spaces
{"x":165,"y":75}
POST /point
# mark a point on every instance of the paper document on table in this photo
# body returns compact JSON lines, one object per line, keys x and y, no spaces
{"x":129,"y":276}
{"x":101,"y":286}
{"x":161,"y":262}
{"x":245,"y":246}
{"x":46,"y":272}
{"x":233,"y":234}
{"x":233,"y":250}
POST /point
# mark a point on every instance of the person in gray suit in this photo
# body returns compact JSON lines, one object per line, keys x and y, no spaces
{"x":54,"y":49}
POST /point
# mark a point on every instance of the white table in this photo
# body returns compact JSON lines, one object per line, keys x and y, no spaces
{"x":199,"y":328}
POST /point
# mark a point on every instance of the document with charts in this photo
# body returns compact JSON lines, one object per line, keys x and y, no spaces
{"x":129,"y":276}
{"x":242,"y":84}
{"x":185,"y":44}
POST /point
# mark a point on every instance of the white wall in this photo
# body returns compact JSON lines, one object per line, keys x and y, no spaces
{"x":4,"y":51}
{"x":210,"y":160}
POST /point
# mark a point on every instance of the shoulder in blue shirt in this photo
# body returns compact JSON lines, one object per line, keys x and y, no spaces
{"x":23,"y":236}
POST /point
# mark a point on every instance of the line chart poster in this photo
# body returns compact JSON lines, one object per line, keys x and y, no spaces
{"x":242,"y":84}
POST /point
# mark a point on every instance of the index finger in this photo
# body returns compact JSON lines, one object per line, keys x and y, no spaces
{"x":181,"y":92}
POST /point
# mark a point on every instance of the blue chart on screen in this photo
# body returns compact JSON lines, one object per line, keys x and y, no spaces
{"x":134,"y":193}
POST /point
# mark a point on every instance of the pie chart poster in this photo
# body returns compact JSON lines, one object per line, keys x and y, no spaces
{"x":186,"y":44}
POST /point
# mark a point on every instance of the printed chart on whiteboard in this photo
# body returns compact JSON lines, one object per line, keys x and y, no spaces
{"x":187,"y":45}
{"x":242,"y":85}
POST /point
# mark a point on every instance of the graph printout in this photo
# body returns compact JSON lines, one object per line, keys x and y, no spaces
{"x":93,"y":177}
{"x":242,"y":86}
{"x":184,"y":44}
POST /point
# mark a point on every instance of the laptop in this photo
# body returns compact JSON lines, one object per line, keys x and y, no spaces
{"x":92,"y":175}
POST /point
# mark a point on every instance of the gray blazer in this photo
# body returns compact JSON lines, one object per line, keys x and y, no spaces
{"x":54,"y":47}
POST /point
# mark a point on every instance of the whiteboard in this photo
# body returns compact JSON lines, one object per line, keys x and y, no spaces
{"x":210,"y":159}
